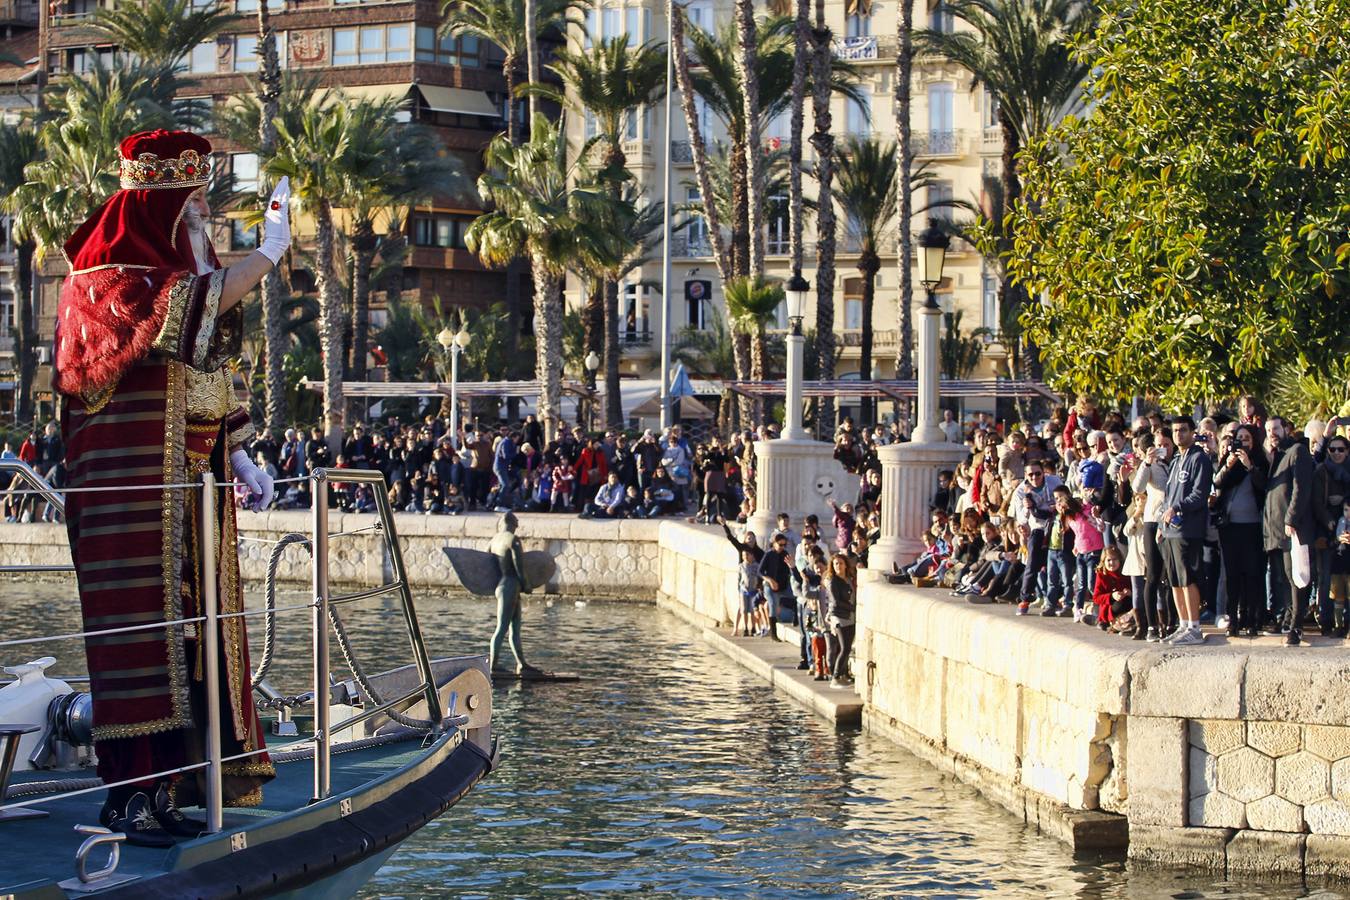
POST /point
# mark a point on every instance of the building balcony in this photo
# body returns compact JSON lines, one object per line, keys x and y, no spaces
{"x":686,"y":246}
{"x":865,"y":48}
{"x":991,"y":140}
{"x":882,"y":339}
{"x":681,"y":152}
{"x":18,"y":12}
{"x":940,"y":143}
{"x":445,"y":258}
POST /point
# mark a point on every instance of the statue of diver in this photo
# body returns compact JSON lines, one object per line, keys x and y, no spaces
{"x":510,"y":555}
{"x":505,"y":571}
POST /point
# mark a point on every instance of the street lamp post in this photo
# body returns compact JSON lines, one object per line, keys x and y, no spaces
{"x":933,"y":244}
{"x":454,"y":344}
{"x":592,"y":362}
{"x":795,"y":290}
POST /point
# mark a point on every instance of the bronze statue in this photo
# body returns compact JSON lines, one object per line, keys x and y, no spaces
{"x":504,"y":571}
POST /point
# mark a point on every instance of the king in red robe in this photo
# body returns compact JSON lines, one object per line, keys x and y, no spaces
{"x":146,"y":322}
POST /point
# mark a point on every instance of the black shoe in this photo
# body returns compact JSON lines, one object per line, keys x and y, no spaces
{"x":1234,"y":631}
{"x":1293,"y":639}
{"x":1341,"y":632}
{"x":172,"y":818}
{"x":803,"y":665}
{"x":1253,"y":632}
{"x":1274,"y":628}
{"x":1328,"y":631}
{"x":1139,"y":634}
{"x":138,"y":822}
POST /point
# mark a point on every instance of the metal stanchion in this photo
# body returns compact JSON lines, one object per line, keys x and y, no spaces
{"x":321,"y":691}
{"x":210,"y":637}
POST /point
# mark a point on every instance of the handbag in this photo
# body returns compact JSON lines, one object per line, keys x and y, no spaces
{"x":1301,"y":570}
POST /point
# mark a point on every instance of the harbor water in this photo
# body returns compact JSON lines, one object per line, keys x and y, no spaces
{"x":667,"y":771}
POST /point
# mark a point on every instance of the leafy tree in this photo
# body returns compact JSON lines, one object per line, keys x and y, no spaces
{"x":751,"y":304}
{"x":1192,"y":233}
{"x":1021,"y":52}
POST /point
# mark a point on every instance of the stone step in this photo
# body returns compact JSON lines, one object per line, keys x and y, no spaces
{"x":776,"y":663}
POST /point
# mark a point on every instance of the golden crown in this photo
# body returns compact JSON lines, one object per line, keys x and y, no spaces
{"x":147,"y":170}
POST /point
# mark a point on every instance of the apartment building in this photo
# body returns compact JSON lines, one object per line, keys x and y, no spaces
{"x":367,"y":49}
{"x":955,"y":133}
{"x":18,"y":96}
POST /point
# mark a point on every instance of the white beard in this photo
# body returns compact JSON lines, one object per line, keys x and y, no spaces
{"x":197,"y":238}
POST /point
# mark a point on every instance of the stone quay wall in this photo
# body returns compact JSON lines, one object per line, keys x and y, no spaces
{"x":595,"y":558}
{"x":1232,"y":757}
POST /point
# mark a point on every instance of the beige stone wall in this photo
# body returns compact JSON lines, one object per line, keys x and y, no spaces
{"x":698,"y":571}
{"x":1228,"y":756}
{"x":595,"y":558}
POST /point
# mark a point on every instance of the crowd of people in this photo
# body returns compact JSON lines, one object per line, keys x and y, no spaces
{"x":1151,"y":527}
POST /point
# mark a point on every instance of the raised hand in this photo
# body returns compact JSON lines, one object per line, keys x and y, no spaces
{"x":277,"y":222}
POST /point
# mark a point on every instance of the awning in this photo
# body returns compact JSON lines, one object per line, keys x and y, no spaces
{"x":377,"y":92}
{"x":458,"y":100}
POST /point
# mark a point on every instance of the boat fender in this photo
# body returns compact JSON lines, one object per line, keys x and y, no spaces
{"x":27,"y":699}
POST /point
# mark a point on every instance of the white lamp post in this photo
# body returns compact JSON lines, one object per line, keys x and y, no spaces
{"x":933,"y":244}
{"x":592,"y":362}
{"x":795,"y":290}
{"x":454,"y":344}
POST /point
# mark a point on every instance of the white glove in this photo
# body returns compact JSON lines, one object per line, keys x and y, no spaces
{"x":277,"y":231}
{"x":258,"y":495}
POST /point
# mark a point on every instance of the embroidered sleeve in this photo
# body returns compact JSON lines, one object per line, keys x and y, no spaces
{"x":239,"y":429}
{"x":190,"y":317}
{"x":227,"y":339}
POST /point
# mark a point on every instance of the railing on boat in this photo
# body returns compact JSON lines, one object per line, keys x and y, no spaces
{"x":211,"y":616}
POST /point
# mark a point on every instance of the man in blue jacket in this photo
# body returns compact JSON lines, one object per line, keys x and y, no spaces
{"x":1181,"y":530}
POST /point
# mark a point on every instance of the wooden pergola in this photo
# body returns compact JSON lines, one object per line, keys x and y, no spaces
{"x":466,"y":390}
{"x":897,"y":389}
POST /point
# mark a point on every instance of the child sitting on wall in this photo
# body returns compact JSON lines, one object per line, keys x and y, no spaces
{"x":1112,"y":592}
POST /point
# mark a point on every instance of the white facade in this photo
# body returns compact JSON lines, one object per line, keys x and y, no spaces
{"x":955,"y":133}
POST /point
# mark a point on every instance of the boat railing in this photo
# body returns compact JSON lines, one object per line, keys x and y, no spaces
{"x":211,"y":616}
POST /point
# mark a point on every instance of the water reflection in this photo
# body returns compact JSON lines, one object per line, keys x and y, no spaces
{"x":670,"y":772}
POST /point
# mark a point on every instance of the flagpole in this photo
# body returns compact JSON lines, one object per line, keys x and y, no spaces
{"x":665,"y":244}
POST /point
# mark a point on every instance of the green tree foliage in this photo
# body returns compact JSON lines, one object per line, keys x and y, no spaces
{"x":161,"y":32}
{"x":960,"y":353}
{"x":1191,"y":233}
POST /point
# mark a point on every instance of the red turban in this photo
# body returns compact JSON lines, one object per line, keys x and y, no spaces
{"x":124,"y":259}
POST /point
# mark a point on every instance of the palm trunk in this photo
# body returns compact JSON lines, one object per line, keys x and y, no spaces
{"x":613,"y":398}
{"x":509,"y":65}
{"x":740,"y":210}
{"x":869,"y":264}
{"x":25,"y":336}
{"x":548,"y":354}
{"x":1012,"y":296}
{"x":364,"y":243}
{"x":800,"y":62}
{"x":532,"y":54}
{"x":275,"y":405}
{"x":904,"y":360}
{"x":823,"y":142}
{"x":721,"y":253}
{"x":594,"y":334}
{"x":516,"y":268}
{"x":330,"y":316}
{"x":740,"y":354}
{"x":746,"y":62}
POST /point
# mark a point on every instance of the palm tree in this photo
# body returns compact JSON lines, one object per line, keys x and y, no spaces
{"x":960,"y":354}
{"x":746,"y":68}
{"x":160,"y":32}
{"x":312,"y":153}
{"x":612,"y":81}
{"x":270,"y":289}
{"x":800,"y":59}
{"x":867,"y":192}
{"x":388,"y":166}
{"x":1021,"y":52}
{"x":823,"y":143}
{"x":18,"y":148}
{"x":250,"y":121}
{"x":751,"y":303}
{"x":904,"y":363}
{"x":502,"y":22}
{"x":538,"y":196}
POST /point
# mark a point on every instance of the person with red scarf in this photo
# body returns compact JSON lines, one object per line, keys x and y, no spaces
{"x":145,"y":323}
